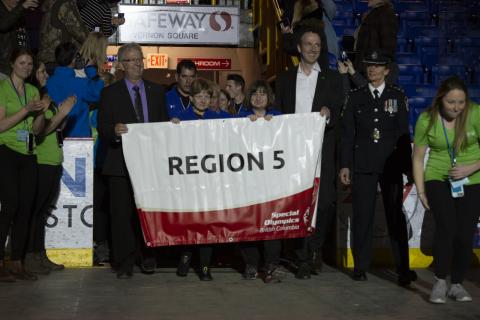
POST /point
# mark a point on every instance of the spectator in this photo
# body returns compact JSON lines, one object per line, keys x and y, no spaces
{"x":315,"y":89}
{"x":225,"y":102}
{"x":377,"y":31}
{"x":235,"y":88}
{"x":97,"y":14}
{"x":49,"y":161}
{"x":375,"y":122}
{"x":94,"y":51}
{"x":450,"y":183}
{"x":64,"y":84}
{"x":215,"y":101}
{"x":178,"y":99}
{"x":324,"y":11}
{"x":101,"y":220}
{"x":21,"y":116}
{"x":61,"y":23}
{"x":12,"y":30}
{"x":115,"y":111}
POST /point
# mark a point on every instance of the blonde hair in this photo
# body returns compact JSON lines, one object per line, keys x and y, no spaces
{"x":94,"y":49}
{"x":452,"y":83}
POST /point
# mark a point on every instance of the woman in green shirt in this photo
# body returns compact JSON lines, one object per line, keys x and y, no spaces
{"x":49,"y":172}
{"x":21,"y":116}
{"x":449,"y":184}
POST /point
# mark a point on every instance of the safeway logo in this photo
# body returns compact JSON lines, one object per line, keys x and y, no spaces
{"x":219,"y":18}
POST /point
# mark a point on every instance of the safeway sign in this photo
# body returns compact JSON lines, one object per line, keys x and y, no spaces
{"x":210,"y":63}
{"x":180,"y":24}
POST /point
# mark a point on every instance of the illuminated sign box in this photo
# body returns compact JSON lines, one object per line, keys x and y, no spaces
{"x":192,"y":25}
{"x":157,"y":61}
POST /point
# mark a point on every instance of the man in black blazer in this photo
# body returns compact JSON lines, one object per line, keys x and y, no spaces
{"x":130,"y":100}
{"x":309,"y":88}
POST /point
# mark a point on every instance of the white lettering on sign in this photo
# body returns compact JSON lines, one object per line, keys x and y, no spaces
{"x":180,"y":24}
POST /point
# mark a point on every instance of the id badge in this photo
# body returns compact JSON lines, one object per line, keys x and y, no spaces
{"x":456,"y":187}
{"x":22,"y":135}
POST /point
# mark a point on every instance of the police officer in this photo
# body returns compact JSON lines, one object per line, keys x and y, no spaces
{"x":375,"y":148}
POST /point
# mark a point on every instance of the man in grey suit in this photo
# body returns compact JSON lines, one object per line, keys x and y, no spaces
{"x":130,"y":100}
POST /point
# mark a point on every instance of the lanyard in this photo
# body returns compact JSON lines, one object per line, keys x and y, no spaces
{"x":451,"y":150}
{"x":24,"y":102}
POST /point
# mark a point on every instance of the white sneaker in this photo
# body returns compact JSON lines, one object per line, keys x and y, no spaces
{"x":458,"y":293}
{"x":439,"y":292}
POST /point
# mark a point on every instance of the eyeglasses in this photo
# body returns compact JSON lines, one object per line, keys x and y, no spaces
{"x":136,"y":60}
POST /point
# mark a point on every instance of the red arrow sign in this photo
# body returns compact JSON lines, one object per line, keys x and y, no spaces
{"x":210,"y":63}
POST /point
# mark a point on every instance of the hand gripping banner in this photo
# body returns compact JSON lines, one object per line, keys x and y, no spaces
{"x":231,"y":180}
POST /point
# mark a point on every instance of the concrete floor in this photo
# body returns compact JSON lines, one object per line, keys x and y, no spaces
{"x":96,"y":294}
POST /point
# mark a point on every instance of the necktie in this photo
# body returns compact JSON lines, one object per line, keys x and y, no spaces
{"x":138,"y":104}
{"x":375,"y":93}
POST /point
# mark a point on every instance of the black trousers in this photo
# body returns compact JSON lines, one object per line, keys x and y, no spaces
{"x":455,"y":224}
{"x":101,"y":219}
{"x":271,"y":252}
{"x":18,"y":184}
{"x":47,"y":191}
{"x":364,"y":192}
{"x":204,"y":253}
{"x":127,"y":239}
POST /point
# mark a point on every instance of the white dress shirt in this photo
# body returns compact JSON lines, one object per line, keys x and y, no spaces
{"x":380,"y":89}
{"x":306,"y":85}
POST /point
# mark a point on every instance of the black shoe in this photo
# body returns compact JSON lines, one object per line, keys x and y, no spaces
{"x":406,"y":278}
{"x":183,"y":266}
{"x":359,"y":276}
{"x":123,"y":274}
{"x":205,"y":274}
{"x":273,"y":274}
{"x":147,"y":265}
{"x":250,"y":273}
{"x":101,"y":253}
{"x":50,"y":264}
{"x":303,"y":272}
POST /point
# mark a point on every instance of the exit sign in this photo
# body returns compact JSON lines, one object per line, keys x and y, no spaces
{"x":157,"y":61}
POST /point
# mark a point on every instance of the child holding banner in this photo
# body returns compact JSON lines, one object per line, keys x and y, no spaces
{"x":200,"y":96}
{"x":259,"y":101}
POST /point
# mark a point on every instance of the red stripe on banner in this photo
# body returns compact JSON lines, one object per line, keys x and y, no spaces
{"x":288,"y":217}
{"x":406,"y":191}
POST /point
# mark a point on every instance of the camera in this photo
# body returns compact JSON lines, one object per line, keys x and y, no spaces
{"x":120,"y":15}
{"x":284,"y":23}
{"x":79,"y":62}
{"x":343,"y":56}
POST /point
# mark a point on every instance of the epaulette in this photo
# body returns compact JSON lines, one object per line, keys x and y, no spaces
{"x":398,"y":88}
{"x":356,"y":89}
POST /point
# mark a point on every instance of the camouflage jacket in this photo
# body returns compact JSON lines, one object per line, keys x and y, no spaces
{"x":10,"y":22}
{"x":61,"y":23}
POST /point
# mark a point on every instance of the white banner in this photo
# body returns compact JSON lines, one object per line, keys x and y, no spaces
{"x":226,"y":180}
{"x":70,"y":225}
{"x":212,"y":25}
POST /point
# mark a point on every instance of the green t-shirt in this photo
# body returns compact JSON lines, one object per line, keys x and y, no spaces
{"x":48,"y":151}
{"x":439,"y":163}
{"x":12,"y":104}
